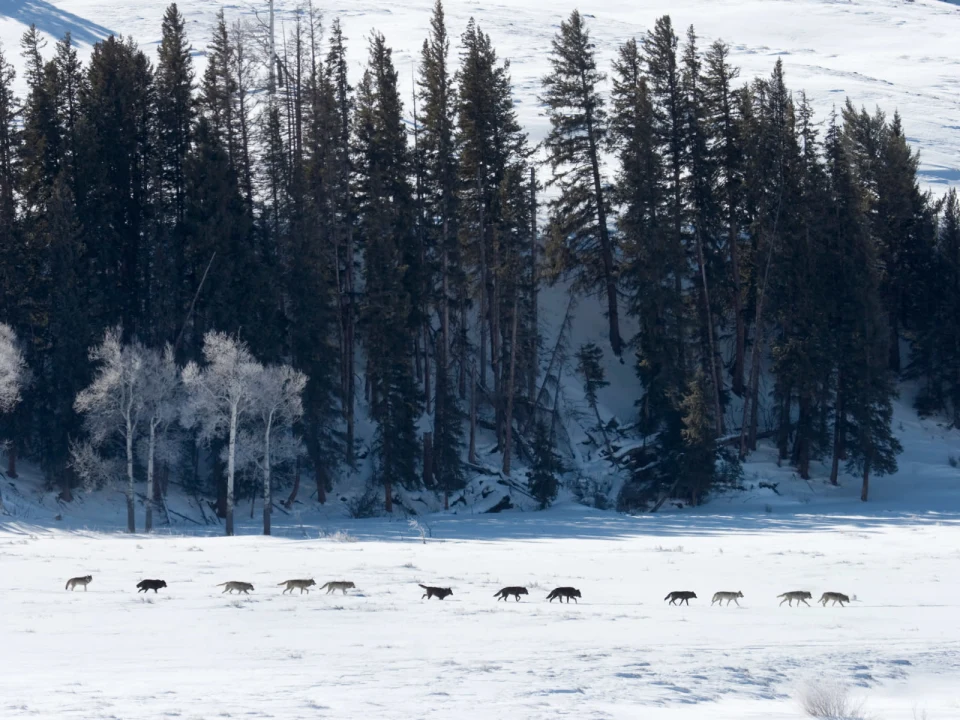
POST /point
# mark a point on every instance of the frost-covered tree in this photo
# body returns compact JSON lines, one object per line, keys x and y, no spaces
{"x":161,"y":398}
{"x":13,"y":369}
{"x":220,"y":395}
{"x":277,"y":406}
{"x":112,"y":405}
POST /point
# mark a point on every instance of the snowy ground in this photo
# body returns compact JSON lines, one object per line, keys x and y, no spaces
{"x":381,"y":652}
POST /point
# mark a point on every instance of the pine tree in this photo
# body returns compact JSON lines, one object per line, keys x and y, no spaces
{"x":12,"y":296}
{"x":800,"y":346}
{"x":340,"y":169}
{"x":724,"y":128}
{"x":864,"y":387}
{"x":698,"y":459}
{"x":665,"y":84}
{"x":386,"y":222}
{"x":581,"y":242}
{"x":543,"y":481}
{"x":700,"y":190}
{"x":438,"y":158}
{"x":176,"y":110}
{"x":117,"y":108}
{"x":648,"y":262}
{"x":493,"y":152}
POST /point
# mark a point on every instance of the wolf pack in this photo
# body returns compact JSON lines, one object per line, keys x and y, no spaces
{"x":676,"y":597}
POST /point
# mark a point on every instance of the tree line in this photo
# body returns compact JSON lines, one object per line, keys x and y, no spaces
{"x":391,"y":252}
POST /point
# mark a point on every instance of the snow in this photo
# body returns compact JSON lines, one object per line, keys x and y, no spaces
{"x":380,"y":651}
{"x":887,"y":53}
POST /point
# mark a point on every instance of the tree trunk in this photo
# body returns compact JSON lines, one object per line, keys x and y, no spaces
{"x":748,"y":431}
{"x":151,"y":446}
{"x":865,"y":490}
{"x":296,"y":486}
{"x":708,"y":317}
{"x":321,"y":486}
{"x":838,"y":434}
{"x":783,"y":426}
{"x":484,"y":303}
{"x":534,"y":290}
{"x":428,"y":460}
{"x":388,"y":496}
{"x":606,"y":248}
{"x":426,"y":367}
{"x":131,"y":519}
{"x":350,"y":342}
{"x":508,"y":420}
{"x":495,"y":349}
{"x":12,"y":460}
{"x":231,"y":460}
{"x":895,"y":340}
{"x":802,"y":443}
{"x":267,"y":489}
{"x":472,"y":452}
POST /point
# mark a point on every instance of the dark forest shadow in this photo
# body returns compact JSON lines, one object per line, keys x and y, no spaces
{"x":53,"y":21}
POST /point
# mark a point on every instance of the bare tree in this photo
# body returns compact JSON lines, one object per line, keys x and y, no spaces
{"x":113,"y":403}
{"x":220,"y":395}
{"x":277,"y":406}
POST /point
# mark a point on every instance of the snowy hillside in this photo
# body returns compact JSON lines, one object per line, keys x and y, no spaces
{"x":895,"y":54}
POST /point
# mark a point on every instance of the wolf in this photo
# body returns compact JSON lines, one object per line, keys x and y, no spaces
{"x":728,"y":596}
{"x":565,"y":592}
{"x":73,"y":582}
{"x":232,"y":585}
{"x":684,"y":596}
{"x":801,"y":596}
{"x":154,"y":585}
{"x":342,"y":585}
{"x":835,"y":596}
{"x":302,"y":584}
{"x":437,"y":592}
{"x":513,"y":590}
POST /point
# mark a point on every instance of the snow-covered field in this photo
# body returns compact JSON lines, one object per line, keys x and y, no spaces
{"x":381,"y":652}
{"x":895,"y":54}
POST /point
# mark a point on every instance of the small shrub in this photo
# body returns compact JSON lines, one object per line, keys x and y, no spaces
{"x":338,"y":536}
{"x":952,"y":459}
{"x":421,"y":529}
{"x":826,"y":699}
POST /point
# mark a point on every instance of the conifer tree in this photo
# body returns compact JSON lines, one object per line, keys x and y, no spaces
{"x":340,"y":171}
{"x":438,"y":158}
{"x":117,"y":108}
{"x":581,"y":242}
{"x":175,"y":113}
{"x":665,"y":84}
{"x":543,"y":481}
{"x":12,"y":297}
{"x":702,"y":216}
{"x":386,"y":222}
{"x":864,"y":388}
{"x":724,"y":128}
{"x":698,"y":459}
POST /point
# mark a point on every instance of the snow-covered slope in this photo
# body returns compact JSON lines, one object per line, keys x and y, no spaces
{"x":896,"y":54}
